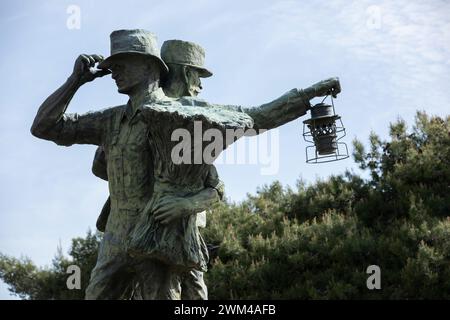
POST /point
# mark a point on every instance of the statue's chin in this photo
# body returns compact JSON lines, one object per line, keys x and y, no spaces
{"x":123,"y":90}
{"x":194,"y":92}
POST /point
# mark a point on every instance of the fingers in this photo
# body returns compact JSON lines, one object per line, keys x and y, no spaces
{"x":84,"y":57}
{"x":97,"y":57}
{"x":102,"y":72}
{"x":158,"y":207}
{"x":336,"y":87}
{"x":332,"y":86}
{"x":167,"y":213}
{"x":85,"y":62}
{"x":163,"y":202}
{"x":165,"y":218}
{"x":90,"y":60}
{"x":167,"y":221}
{"x":163,"y":208}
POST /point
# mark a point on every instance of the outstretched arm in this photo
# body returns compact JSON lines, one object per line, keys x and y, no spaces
{"x":51,"y":122}
{"x":291,"y":105}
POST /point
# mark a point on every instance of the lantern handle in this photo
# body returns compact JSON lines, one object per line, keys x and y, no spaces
{"x":332,"y":102}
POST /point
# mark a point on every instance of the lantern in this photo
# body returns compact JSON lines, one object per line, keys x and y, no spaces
{"x":324,"y":130}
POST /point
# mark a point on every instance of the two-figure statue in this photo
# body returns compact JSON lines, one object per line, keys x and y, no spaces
{"x":152,"y":248}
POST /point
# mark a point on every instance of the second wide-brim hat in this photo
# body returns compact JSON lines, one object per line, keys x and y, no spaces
{"x":136,"y":41}
{"x":185,"y":53}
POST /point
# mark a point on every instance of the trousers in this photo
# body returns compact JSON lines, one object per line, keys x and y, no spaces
{"x":118,"y":275}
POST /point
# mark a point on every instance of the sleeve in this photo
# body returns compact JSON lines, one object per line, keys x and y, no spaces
{"x":73,"y":128}
{"x":213,"y":181}
{"x":99,"y":164}
{"x":288,"y":107}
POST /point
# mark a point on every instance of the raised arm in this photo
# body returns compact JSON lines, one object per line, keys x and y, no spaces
{"x":51,"y":122}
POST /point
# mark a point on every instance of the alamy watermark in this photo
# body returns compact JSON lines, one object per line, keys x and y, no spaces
{"x":374,"y":17}
{"x":205,"y":147}
{"x":74,"y":280}
{"x":374,"y":280}
{"x":73,"y":21}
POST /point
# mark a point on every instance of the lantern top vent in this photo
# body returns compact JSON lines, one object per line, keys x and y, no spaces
{"x":320,"y":111}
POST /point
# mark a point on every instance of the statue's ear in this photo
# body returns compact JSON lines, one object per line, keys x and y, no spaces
{"x":186,"y":74}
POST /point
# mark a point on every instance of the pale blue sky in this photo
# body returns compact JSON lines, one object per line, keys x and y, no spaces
{"x":392,"y":59}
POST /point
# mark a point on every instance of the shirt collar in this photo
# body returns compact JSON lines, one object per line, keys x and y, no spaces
{"x":151,"y":97}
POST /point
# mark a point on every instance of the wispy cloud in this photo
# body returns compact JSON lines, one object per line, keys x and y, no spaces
{"x":409,"y":40}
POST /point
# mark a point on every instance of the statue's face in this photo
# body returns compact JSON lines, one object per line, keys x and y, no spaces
{"x":130,"y":72}
{"x":194,"y":84}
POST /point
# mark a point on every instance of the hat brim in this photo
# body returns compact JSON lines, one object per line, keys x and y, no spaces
{"x":106,"y":64}
{"x":202,"y":72}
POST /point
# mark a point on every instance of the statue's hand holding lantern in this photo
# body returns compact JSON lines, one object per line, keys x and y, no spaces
{"x":325,"y":128}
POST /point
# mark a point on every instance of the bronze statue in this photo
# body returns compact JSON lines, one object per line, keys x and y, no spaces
{"x":151,"y":237}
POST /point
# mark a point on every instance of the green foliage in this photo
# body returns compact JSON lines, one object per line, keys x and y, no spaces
{"x":317,"y":241}
{"x":410,"y":165}
{"x":28,"y":281}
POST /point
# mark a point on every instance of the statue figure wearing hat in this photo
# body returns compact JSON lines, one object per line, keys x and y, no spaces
{"x":151,"y":236}
{"x":186,"y":66}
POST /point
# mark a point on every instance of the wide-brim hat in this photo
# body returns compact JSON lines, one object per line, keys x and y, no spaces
{"x":133,"y":42}
{"x":185,"y":53}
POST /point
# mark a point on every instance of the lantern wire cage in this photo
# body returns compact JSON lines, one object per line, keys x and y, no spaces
{"x":329,"y":129}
